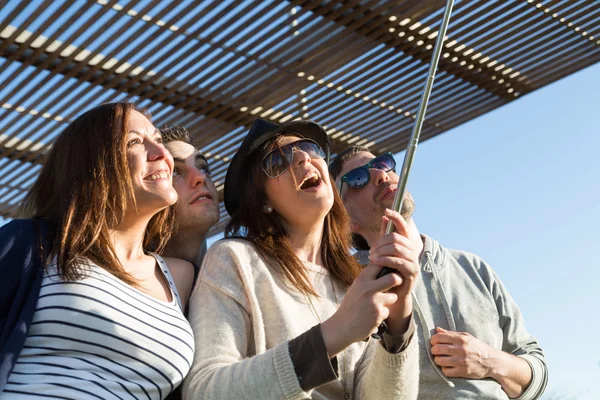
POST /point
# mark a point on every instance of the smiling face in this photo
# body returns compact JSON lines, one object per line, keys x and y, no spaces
{"x":303,"y":193}
{"x":150,"y":166}
{"x":198,"y":205}
{"x":366,"y":205}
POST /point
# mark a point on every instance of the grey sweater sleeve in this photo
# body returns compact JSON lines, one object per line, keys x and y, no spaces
{"x":517,"y":340}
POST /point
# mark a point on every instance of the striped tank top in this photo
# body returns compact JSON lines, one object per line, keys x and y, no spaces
{"x":99,"y":338}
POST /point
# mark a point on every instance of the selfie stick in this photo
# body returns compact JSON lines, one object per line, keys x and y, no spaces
{"x":416,"y":132}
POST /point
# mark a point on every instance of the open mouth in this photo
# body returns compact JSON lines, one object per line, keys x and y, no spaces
{"x":157,"y":175}
{"x":310,"y":182}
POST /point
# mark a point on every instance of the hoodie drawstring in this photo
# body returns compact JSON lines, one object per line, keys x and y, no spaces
{"x":427,"y":333}
{"x":445,"y":305}
{"x":426,"y":328}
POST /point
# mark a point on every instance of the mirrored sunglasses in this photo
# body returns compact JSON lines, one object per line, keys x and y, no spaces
{"x":359,"y":177}
{"x":277,"y":161}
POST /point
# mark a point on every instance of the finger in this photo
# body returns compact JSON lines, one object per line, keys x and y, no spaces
{"x":386,"y":299}
{"x":461,"y":336}
{"x":393,"y":237}
{"x":443,"y":338}
{"x":383,"y":227}
{"x":371,"y":271}
{"x":451,"y":372}
{"x":445,"y":361}
{"x":444,"y":350}
{"x":401,"y":266}
{"x":398,"y":221}
{"x":384,"y":313}
{"x":392,"y":244}
{"x":392,"y":253}
{"x":387,"y":282}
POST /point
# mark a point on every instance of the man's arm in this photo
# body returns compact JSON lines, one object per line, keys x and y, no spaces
{"x":516,"y":340}
{"x":512,"y":372}
{"x":461,"y":355}
{"x":520,"y":366}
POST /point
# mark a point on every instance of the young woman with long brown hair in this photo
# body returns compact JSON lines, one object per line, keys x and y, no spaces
{"x":90,"y":310}
{"x":281,"y":309}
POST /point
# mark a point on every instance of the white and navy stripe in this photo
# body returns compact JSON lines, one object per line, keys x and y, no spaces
{"x":99,"y":338}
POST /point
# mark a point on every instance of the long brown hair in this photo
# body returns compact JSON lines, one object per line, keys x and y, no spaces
{"x":84,"y":188}
{"x":272,"y":241}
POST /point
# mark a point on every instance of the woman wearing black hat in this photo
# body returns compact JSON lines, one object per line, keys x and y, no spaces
{"x":281,"y":309}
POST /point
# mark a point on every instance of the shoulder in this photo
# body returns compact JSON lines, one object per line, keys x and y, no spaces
{"x":18,"y":258}
{"x":183,"y":276}
{"x":465,"y":257}
{"x":20,"y":237}
{"x":179,"y":266}
{"x":441,"y":254}
{"x":238,"y":251}
{"x":474,"y":265}
{"x":24,"y":232}
{"x":232,"y":266}
{"x":18,"y":229}
{"x":239,"y":245}
{"x":467,"y":261}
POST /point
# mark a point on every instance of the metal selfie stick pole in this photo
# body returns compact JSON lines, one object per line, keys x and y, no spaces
{"x":416,"y":132}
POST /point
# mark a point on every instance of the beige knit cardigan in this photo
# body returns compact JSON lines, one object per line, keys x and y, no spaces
{"x":244,"y":313}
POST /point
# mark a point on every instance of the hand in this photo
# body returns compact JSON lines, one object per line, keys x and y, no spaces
{"x":398,"y":250}
{"x":461,"y":355}
{"x":364,"y":307}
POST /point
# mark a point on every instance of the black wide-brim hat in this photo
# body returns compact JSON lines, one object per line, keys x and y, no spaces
{"x":260,"y":132}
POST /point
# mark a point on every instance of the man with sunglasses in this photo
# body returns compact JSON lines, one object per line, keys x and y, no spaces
{"x":472,"y":335}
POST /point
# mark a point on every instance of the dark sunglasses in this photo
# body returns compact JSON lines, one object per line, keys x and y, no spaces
{"x":359,"y":177}
{"x":277,"y":161}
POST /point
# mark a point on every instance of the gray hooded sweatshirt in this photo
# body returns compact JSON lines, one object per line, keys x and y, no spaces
{"x":459,"y":292}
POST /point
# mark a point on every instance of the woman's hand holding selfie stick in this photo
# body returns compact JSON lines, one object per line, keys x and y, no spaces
{"x":372,"y":298}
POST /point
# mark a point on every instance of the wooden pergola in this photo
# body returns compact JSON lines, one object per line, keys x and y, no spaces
{"x":355,"y":66}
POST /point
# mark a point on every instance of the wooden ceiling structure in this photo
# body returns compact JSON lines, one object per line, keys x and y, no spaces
{"x":355,"y":66}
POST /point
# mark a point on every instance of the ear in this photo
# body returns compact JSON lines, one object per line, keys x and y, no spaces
{"x":354,"y":226}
